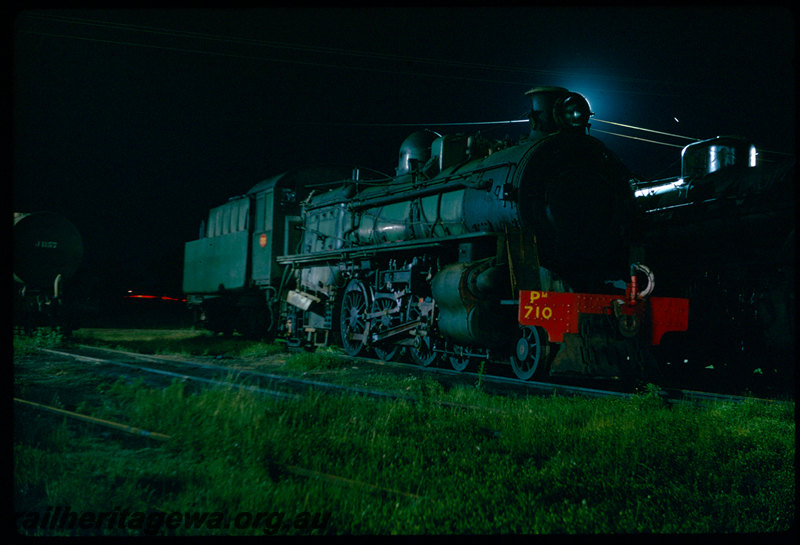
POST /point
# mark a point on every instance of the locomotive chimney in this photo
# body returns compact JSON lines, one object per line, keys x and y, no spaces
{"x":555,"y":109}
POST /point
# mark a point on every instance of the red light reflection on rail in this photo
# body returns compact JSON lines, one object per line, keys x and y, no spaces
{"x":160,"y":297}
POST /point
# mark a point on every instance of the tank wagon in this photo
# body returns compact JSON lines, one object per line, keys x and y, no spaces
{"x":475,"y":250}
{"x":48,"y":249}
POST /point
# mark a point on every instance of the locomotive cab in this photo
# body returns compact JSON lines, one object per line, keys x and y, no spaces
{"x":231,"y":275}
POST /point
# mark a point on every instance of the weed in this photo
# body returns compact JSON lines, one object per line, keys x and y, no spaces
{"x":41,"y":338}
{"x":481,"y":372}
{"x":321,"y":359}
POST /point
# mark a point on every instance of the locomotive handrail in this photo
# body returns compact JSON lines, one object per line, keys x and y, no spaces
{"x":373,"y":249}
{"x":401,"y":192}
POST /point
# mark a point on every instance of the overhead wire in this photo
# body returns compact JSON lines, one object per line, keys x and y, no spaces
{"x":338,"y":51}
{"x":506,"y":122}
{"x":329,"y":50}
{"x":308,"y":63}
{"x":285,"y":45}
{"x":639,"y":138}
{"x":644,"y":129}
{"x":392,"y":71}
{"x":510,"y":121}
{"x":377,"y":124}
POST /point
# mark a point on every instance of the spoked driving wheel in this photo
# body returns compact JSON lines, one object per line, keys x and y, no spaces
{"x":388,"y":315}
{"x":353,"y":320}
{"x":422,"y":352}
{"x":458,"y":360}
{"x":531,"y":353}
{"x":459,"y":363}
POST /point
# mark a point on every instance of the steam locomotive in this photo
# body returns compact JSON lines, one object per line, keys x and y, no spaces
{"x":722,"y":234}
{"x":526,"y":254}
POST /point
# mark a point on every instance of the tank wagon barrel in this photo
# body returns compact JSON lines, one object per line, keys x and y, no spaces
{"x":46,"y":245}
{"x":48,"y":249}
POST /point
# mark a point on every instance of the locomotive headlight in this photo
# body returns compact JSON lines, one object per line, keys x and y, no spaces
{"x":572,"y":111}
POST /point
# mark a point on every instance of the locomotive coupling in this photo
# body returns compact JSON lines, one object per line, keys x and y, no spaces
{"x":630,"y":312}
{"x":632,"y":289}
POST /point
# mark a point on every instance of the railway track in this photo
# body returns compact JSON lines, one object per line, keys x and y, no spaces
{"x":126,"y":364}
{"x":505,"y":384}
{"x":280,"y":386}
{"x":155,"y":370}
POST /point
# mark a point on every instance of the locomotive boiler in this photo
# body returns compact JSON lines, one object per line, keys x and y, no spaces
{"x":441,"y":260}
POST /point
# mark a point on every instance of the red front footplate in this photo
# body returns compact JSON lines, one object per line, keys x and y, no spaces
{"x":557,"y":312}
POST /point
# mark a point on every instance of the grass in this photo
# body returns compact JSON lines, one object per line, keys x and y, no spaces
{"x":41,"y":338}
{"x":526,"y":465}
{"x":323,"y":359}
{"x":187,"y":342}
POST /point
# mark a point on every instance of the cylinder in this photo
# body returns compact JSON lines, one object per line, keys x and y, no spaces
{"x":467,"y":295}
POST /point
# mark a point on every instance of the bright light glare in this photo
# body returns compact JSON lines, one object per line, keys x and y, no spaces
{"x":753,"y":154}
{"x":598,"y":92}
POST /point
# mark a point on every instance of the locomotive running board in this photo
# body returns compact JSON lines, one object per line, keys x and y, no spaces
{"x":358,"y":252}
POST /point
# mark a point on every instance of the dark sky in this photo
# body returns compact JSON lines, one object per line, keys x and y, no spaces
{"x":133,"y":123}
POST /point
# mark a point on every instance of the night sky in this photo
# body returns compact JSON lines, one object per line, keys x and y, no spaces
{"x":133,"y":123}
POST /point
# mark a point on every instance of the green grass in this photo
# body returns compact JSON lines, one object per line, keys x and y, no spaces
{"x":41,"y":338}
{"x":512,"y":465}
{"x":187,"y":342}
{"x":522,"y":465}
{"x":324,"y":359}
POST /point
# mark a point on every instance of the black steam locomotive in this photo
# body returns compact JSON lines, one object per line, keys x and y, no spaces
{"x":475,"y":250}
{"x":722,"y":234}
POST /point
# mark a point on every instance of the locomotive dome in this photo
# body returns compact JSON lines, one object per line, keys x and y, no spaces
{"x":416,"y":149}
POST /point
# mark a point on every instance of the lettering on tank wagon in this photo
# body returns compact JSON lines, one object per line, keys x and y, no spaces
{"x":535,"y":308}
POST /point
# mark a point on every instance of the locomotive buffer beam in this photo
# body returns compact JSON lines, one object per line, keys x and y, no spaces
{"x":602,"y":334}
